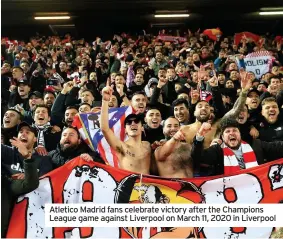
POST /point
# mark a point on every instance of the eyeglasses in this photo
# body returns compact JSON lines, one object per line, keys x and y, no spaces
{"x":130,"y":121}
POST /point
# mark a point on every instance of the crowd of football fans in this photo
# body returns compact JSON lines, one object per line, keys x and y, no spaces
{"x":188,"y":91}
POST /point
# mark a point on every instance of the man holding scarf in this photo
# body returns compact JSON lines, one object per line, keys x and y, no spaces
{"x":48,"y":136}
{"x":231,"y":153}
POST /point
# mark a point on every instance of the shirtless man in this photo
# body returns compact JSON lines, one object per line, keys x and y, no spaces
{"x":134,"y":154}
{"x":173,"y":158}
{"x":203,"y":112}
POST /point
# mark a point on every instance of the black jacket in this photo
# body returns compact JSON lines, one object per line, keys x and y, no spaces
{"x":12,"y":188}
{"x":13,"y":161}
{"x":9,"y":133}
{"x":14,"y":99}
{"x":51,"y":139}
{"x":58,"y":110}
{"x":245,"y":132}
{"x":164,"y":109}
{"x":272,"y":132}
{"x":152,"y":135}
{"x":59,"y":157}
{"x":255,"y":117}
{"x":213,"y":156}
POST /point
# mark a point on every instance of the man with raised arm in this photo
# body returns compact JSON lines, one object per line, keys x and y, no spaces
{"x":202,"y":113}
{"x":173,"y":158}
{"x":134,"y":154}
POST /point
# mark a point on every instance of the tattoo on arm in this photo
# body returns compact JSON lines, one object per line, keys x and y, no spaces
{"x":239,"y":104}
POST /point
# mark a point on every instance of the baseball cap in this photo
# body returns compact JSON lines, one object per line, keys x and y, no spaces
{"x":152,"y":81}
{"x":130,"y":117}
{"x":37,"y":94}
{"x":263,"y":83}
{"x":22,"y":81}
{"x":253,"y":90}
{"x":32,"y":129}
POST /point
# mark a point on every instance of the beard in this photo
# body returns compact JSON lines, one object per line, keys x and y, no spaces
{"x":69,"y":149}
{"x":235,"y":147}
{"x":202,"y":119}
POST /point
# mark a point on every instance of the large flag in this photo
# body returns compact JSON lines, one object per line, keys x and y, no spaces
{"x":259,"y":62}
{"x":89,"y":128}
{"x":82,"y":182}
{"x":239,"y":36}
{"x":212,"y":33}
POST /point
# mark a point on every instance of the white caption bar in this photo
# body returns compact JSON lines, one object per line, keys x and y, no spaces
{"x":171,"y":215}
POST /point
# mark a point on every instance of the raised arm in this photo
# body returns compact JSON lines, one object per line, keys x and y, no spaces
{"x":162,"y":152}
{"x":246,"y":84}
{"x":110,"y":137}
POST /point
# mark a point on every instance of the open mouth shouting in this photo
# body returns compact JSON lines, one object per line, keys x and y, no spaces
{"x":155,"y":123}
{"x":7,"y":121}
{"x":23,"y":140}
{"x":203,"y":114}
{"x":21,"y":90}
{"x":254,"y":102}
{"x":233,"y":140}
{"x":40,"y":119}
{"x":241,"y":119}
{"x":67,"y":144}
{"x":272,"y":116}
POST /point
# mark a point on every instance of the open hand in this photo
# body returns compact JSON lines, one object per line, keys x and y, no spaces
{"x":20,"y":146}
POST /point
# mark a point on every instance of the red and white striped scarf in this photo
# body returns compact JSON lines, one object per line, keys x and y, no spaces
{"x":231,"y":164}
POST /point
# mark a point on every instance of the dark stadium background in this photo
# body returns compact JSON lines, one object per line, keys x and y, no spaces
{"x":104,"y":17}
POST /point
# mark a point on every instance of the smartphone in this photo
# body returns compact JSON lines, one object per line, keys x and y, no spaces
{"x":51,"y":82}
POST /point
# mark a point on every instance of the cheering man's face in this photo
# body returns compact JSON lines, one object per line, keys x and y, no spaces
{"x":232,"y":137}
{"x":69,"y":140}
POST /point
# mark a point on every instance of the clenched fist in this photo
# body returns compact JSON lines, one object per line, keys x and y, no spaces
{"x":204,"y":129}
{"x":107,"y":93}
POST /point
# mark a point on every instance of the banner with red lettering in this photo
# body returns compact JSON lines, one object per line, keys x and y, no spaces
{"x":79,"y":182}
{"x":171,"y":38}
